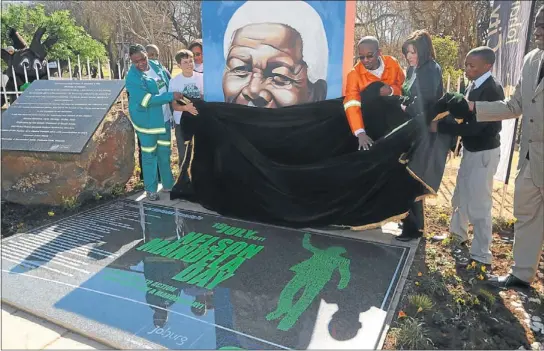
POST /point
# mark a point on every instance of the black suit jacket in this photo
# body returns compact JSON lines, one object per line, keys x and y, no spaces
{"x":426,"y":90}
{"x":478,"y":136}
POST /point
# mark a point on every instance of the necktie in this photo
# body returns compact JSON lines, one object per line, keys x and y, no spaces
{"x":469,"y":89}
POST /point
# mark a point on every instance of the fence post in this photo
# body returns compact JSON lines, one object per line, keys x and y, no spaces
{"x":99,"y":69}
{"x":70,"y":68}
{"x":79,"y":67}
{"x":47,"y":67}
{"x":15,"y":81}
{"x":449,"y":83}
{"x":4,"y":84}
{"x":109,"y":69}
{"x":26,"y":76}
{"x":88,"y":69}
{"x":37,"y":72}
{"x":59,"y":71}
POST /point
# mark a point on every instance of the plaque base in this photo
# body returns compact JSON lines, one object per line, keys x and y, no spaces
{"x":135,"y":275}
{"x":53,"y":178}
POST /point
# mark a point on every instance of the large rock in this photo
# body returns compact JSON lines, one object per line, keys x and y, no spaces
{"x":32,"y":178}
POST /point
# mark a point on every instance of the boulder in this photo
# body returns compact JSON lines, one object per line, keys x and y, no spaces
{"x":49,"y":178}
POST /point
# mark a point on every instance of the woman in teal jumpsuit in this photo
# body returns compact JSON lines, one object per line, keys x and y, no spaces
{"x":150,"y":114}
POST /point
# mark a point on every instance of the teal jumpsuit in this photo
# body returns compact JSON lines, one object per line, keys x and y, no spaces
{"x":146,"y":114}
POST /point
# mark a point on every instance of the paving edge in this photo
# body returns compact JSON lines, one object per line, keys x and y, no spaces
{"x":398,"y":292}
{"x":69,"y":329}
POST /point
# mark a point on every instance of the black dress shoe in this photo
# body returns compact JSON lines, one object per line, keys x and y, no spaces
{"x":508,"y":281}
{"x":474,"y":265}
{"x":406,"y":238}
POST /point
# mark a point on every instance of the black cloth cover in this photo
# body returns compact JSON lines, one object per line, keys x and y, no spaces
{"x":299,"y":165}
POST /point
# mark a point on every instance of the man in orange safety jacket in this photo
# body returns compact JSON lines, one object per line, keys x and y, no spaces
{"x":372,"y":67}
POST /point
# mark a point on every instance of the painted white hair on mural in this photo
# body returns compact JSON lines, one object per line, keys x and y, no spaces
{"x":296,"y":14}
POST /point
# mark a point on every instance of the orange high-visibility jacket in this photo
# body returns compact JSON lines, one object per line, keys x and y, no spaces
{"x":359,"y":78}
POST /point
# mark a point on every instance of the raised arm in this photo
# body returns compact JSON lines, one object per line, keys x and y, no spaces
{"x":499,"y":110}
{"x":139,"y":93}
{"x":307,"y":245}
{"x":345,"y":274}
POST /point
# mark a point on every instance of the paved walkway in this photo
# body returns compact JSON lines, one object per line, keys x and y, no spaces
{"x":23,"y":331}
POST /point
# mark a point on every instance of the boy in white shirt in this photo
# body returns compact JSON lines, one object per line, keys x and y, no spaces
{"x":190,"y":84}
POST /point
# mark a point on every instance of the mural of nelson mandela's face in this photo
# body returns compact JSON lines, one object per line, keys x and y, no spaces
{"x":265,"y":68}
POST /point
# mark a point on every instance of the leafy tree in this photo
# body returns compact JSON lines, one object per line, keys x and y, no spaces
{"x":73,"y":40}
{"x":447,"y":54}
{"x":447,"y":51}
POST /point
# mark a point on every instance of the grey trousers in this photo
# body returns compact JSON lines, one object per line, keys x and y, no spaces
{"x":529,"y":228}
{"x":472,"y":201}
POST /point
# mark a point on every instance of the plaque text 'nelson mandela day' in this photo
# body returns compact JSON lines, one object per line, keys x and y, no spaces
{"x":137,"y":275}
{"x":58,"y":115}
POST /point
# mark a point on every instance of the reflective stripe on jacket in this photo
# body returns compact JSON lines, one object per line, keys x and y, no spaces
{"x":359,"y":78}
{"x":145,"y":102}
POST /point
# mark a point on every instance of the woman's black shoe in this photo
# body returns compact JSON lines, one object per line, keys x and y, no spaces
{"x":406,"y":238}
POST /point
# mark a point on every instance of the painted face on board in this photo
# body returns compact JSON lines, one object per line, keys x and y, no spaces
{"x":265,"y":68}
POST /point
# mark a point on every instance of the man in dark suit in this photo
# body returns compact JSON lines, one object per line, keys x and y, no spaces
{"x":472,"y":200}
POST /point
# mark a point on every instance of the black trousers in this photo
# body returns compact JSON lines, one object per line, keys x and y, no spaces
{"x":413,"y":225}
{"x":180,"y":142}
{"x":184,"y":136}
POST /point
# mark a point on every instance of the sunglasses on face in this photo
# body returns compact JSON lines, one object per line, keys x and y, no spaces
{"x":197,"y":54}
{"x":369,"y":56}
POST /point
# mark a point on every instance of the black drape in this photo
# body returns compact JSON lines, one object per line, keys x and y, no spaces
{"x":298,"y":165}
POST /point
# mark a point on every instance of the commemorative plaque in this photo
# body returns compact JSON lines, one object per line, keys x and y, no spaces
{"x":142,"y":276}
{"x":58,"y":115}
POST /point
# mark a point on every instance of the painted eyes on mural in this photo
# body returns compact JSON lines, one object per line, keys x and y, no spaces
{"x":242,"y":70}
{"x":281,"y":80}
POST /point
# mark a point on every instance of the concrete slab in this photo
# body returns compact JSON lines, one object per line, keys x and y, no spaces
{"x":25,"y":331}
{"x":72,"y":341}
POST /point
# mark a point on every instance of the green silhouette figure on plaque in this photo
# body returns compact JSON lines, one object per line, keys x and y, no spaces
{"x":311,"y":275}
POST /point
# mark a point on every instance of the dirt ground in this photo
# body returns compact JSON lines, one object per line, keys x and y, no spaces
{"x":442,"y":306}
